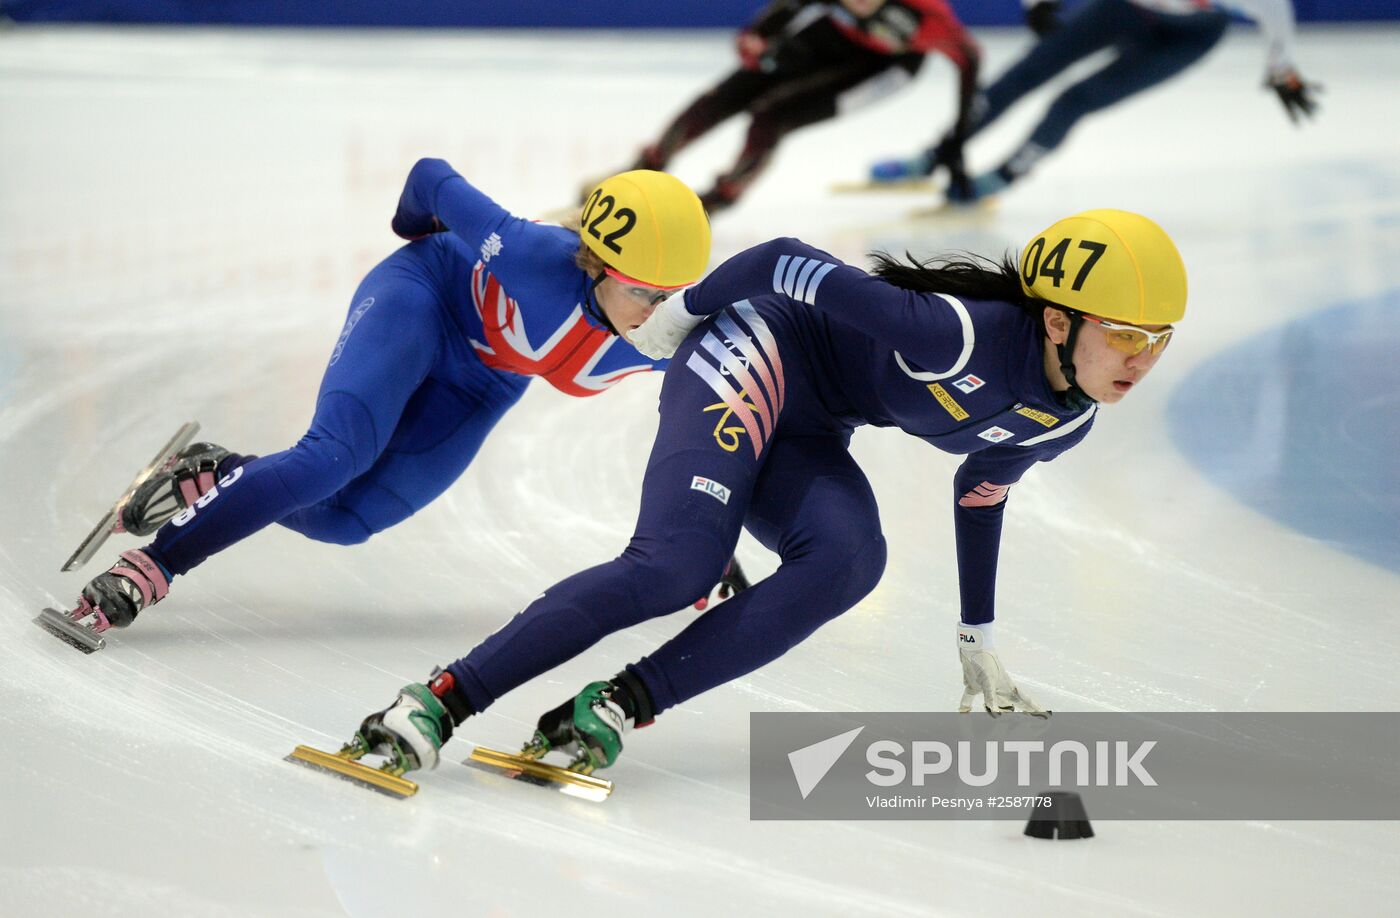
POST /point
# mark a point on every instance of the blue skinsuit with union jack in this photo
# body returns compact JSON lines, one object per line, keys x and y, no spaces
{"x":757,"y":412}
{"x":441,"y":339}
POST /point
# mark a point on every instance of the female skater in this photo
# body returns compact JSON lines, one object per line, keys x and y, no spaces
{"x":1007,"y":364}
{"x":441,"y":340}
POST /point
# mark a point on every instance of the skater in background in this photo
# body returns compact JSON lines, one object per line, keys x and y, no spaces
{"x":1007,"y":364}
{"x":1153,"y":41}
{"x":802,"y":62}
{"x":441,"y":339}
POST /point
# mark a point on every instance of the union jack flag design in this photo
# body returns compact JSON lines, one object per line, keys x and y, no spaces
{"x":575,"y":358}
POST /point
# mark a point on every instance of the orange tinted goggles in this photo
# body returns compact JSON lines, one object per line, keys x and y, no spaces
{"x":1129,"y":338}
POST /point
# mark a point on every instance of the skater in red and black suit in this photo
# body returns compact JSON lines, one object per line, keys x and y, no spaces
{"x":803,"y":62}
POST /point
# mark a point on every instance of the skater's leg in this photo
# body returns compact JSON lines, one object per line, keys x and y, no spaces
{"x":1174,"y":44}
{"x":389,"y":344}
{"x":719,"y":406}
{"x":1090,"y":27}
{"x":861,"y":79}
{"x":442,"y":428}
{"x":814,"y":507}
{"x":727,"y":98}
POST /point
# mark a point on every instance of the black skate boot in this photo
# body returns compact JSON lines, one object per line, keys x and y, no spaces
{"x":190,"y":474}
{"x":590,"y":725}
{"x":115,"y":598}
{"x":110,"y":600}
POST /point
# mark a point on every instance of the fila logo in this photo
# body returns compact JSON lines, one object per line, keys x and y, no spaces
{"x":996,"y":434}
{"x":184,"y":516}
{"x":968,"y":384}
{"x":713,"y":488}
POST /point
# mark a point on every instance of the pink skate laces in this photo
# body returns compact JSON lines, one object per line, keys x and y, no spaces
{"x":191,"y":489}
{"x":146,"y":574}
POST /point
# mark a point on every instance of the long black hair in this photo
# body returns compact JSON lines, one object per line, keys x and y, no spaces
{"x":967,"y":275}
{"x":960,"y":274}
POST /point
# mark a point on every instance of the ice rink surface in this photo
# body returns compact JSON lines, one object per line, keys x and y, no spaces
{"x":183,"y":219}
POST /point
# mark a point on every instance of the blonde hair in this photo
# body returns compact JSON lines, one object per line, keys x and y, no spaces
{"x":584,"y":258}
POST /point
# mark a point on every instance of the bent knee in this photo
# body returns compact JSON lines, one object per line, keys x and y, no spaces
{"x":330,"y":525}
{"x":843,"y":572}
{"x":867,"y":566}
{"x":676,"y":576}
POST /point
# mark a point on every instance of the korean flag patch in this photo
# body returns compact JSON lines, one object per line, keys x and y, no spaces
{"x":996,"y":434}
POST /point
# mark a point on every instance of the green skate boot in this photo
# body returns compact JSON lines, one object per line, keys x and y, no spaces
{"x":408,"y":733}
{"x":589,"y":726}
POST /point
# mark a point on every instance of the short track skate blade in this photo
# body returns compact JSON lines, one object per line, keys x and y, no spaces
{"x":905,"y":186}
{"x":103,"y":529}
{"x":70,"y":632}
{"x":533,"y":771}
{"x":361,"y":774}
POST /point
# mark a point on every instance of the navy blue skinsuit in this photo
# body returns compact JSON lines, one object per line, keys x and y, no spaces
{"x":1151,"y":47}
{"x":757,"y":412}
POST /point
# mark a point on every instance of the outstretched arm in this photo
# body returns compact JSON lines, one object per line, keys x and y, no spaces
{"x":949,"y":152}
{"x":437,"y":199}
{"x":929,"y":330}
{"x":980,"y":491}
{"x":1275,"y":19}
{"x":942,"y":32}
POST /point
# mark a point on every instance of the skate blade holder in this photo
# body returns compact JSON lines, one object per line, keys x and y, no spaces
{"x":541,"y":774}
{"x":62,"y":626}
{"x":358,"y":772}
{"x":105,"y":526}
{"x":894,"y":186}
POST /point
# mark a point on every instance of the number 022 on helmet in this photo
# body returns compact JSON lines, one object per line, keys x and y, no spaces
{"x":649,"y":228}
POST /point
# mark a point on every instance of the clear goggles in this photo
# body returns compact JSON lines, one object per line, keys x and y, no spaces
{"x":646,"y":293}
{"x":1130,"y":339}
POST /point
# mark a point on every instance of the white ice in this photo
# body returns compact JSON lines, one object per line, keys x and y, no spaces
{"x":183,"y":218}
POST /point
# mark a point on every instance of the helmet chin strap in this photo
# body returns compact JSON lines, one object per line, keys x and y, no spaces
{"x":594,"y":308}
{"x":1073,"y":398}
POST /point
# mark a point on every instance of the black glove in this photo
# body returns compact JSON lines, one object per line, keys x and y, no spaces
{"x":1296,"y":96}
{"x":1044,"y":17}
{"x":730,"y":583}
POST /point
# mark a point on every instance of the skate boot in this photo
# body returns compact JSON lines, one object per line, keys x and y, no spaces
{"x":721,"y":197}
{"x":408,"y":733}
{"x":966,"y":191}
{"x":118,"y":596}
{"x":110,"y":600}
{"x":190,"y":474}
{"x":589,"y":726}
{"x":898,"y":171}
{"x":731,"y":583}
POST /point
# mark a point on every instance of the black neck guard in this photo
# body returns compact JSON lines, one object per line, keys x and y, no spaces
{"x":1073,"y":398}
{"x":594,"y":308}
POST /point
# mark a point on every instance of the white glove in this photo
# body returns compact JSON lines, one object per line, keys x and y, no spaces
{"x":984,"y":675}
{"x":660,"y":335}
